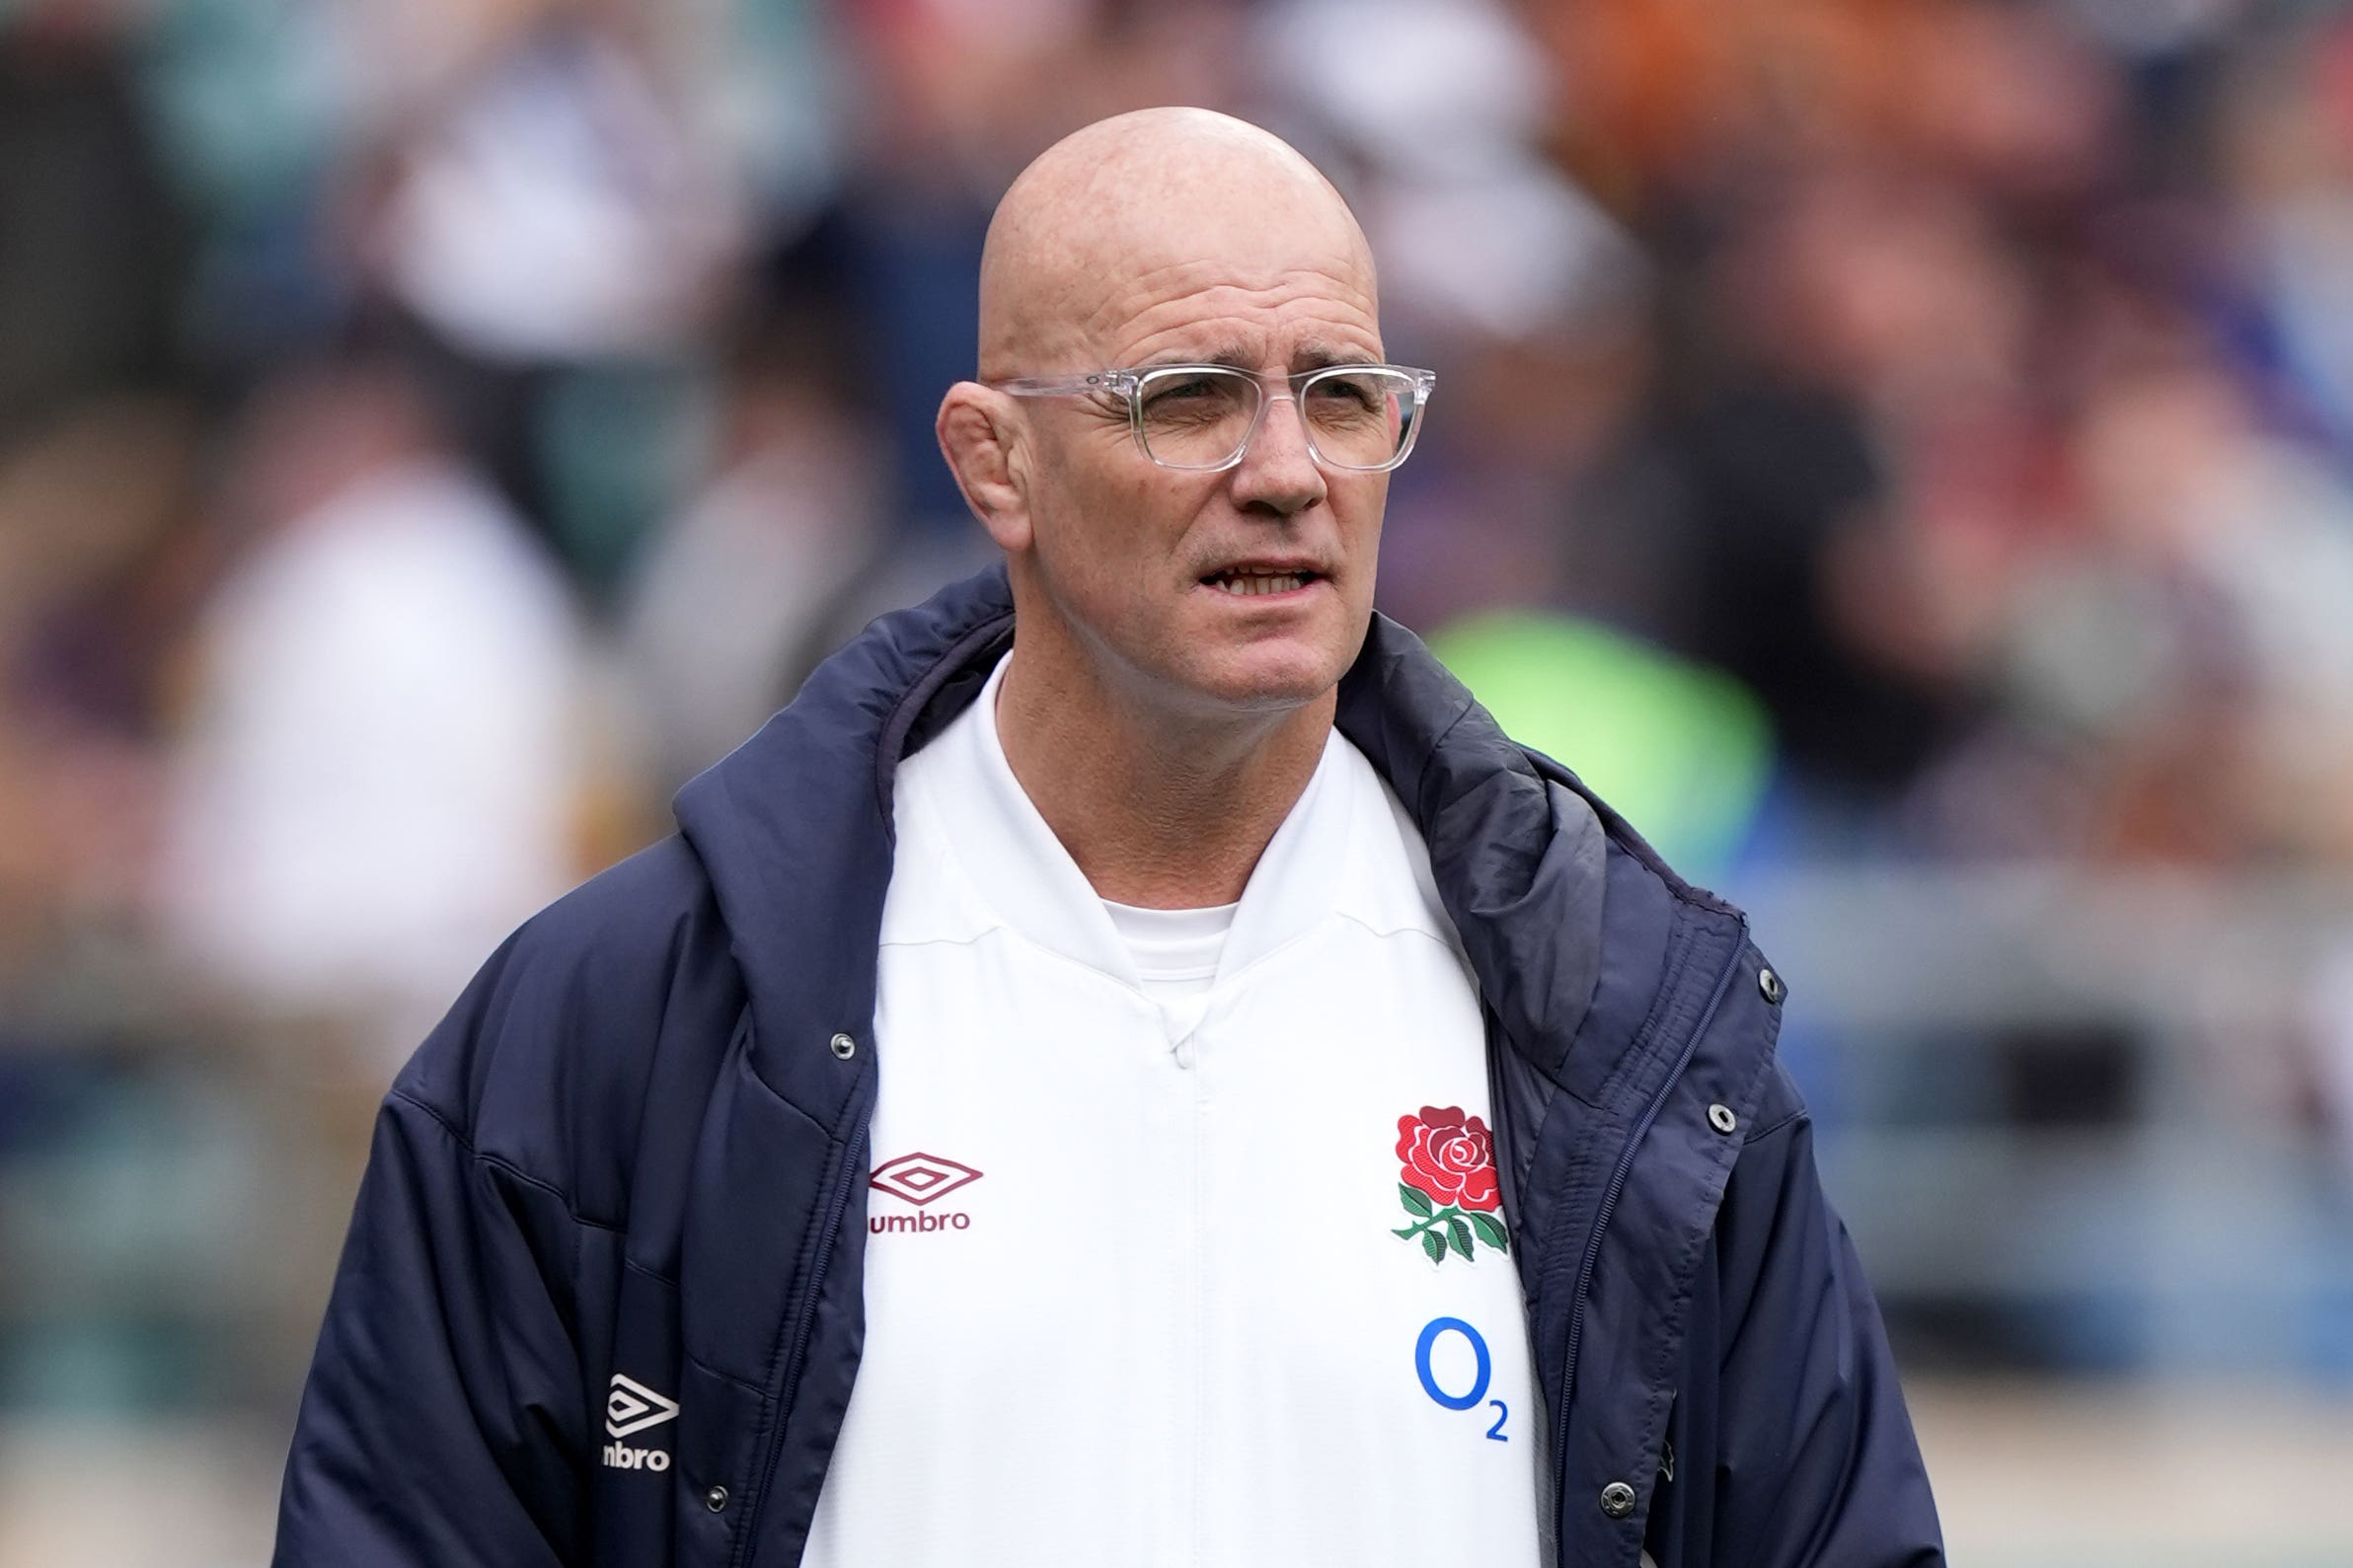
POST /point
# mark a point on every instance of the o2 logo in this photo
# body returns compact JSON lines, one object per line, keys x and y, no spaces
{"x":1426,"y":1346}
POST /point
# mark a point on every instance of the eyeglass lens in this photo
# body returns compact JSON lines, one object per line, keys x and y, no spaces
{"x":1356,"y":418}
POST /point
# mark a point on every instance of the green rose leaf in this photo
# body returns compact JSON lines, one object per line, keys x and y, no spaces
{"x":1458,"y":1234}
{"x":1416,"y":1202}
{"x":1433,"y":1245}
{"x":1490,"y":1231}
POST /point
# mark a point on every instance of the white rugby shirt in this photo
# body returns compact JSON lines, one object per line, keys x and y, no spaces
{"x":1147,"y":1278}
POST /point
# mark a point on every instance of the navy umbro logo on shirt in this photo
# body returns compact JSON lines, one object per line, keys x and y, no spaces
{"x":921,"y":1180}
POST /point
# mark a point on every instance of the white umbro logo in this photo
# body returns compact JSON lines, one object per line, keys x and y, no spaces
{"x":632,"y":1407}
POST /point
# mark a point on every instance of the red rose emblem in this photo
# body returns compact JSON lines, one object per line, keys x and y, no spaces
{"x":1449,"y":1157}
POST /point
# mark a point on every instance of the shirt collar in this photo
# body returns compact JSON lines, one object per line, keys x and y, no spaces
{"x":1021,"y":873}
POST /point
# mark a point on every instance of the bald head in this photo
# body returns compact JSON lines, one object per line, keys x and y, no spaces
{"x":1111,"y":217}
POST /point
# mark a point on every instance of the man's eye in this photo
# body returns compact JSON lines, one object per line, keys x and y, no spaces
{"x":1345,"y":395}
{"x":1177,"y":392}
{"x":1199,"y":397}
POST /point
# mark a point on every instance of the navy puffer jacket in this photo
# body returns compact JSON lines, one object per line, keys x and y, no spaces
{"x":624,"y":1181}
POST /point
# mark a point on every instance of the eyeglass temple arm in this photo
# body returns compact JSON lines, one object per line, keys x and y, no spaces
{"x":1053,"y":386}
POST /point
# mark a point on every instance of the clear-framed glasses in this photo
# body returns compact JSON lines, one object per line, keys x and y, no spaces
{"x":1362,"y":419}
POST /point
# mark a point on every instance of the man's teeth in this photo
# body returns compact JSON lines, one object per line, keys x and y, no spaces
{"x":1258,"y":582}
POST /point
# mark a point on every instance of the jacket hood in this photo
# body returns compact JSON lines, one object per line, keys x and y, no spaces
{"x":802,"y":808}
{"x":1517,"y":847}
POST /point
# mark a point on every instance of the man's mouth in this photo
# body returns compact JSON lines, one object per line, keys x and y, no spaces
{"x":1253,"y":581}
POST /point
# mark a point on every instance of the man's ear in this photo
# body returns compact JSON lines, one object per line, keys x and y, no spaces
{"x":979,"y":435}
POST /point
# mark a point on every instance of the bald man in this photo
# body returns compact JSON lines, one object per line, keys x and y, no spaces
{"x":1131,"y":1066}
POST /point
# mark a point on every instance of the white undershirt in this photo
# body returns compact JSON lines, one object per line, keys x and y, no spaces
{"x":1143,"y":1281}
{"x":1175,"y":951}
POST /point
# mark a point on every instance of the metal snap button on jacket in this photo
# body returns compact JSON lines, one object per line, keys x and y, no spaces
{"x":844,"y":1047}
{"x":1617,"y":1499}
{"x":1720,"y":1118}
{"x":716,"y":1499}
{"x":1770,"y":984}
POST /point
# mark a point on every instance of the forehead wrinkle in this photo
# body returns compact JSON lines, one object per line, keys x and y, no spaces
{"x":1189,"y":325}
{"x":1145,"y":295}
{"x":1250,"y":351}
{"x":1230,"y":355}
{"x":1311,"y":353}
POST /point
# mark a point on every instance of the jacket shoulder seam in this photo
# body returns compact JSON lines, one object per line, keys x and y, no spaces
{"x":501,"y":1163}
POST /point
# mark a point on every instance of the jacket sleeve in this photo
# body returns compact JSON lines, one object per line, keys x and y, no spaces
{"x":1816,"y":1466}
{"x":434,"y":1427}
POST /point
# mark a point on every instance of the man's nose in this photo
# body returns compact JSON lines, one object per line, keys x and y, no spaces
{"x":1277,"y":474}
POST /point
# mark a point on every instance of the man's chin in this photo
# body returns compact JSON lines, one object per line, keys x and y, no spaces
{"x":1268,"y":679}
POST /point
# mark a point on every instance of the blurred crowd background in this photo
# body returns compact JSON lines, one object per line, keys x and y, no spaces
{"x":1901,"y":451}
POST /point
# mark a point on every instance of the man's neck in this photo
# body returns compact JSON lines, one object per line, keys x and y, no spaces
{"x":1159,"y":811}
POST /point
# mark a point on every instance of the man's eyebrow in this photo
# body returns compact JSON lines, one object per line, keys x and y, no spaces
{"x":1317,"y":356}
{"x":1313,"y":356}
{"x":1224,"y":354}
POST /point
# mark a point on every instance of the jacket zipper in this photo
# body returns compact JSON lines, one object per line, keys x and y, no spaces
{"x":1601,"y":1223}
{"x":794,"y":1357}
